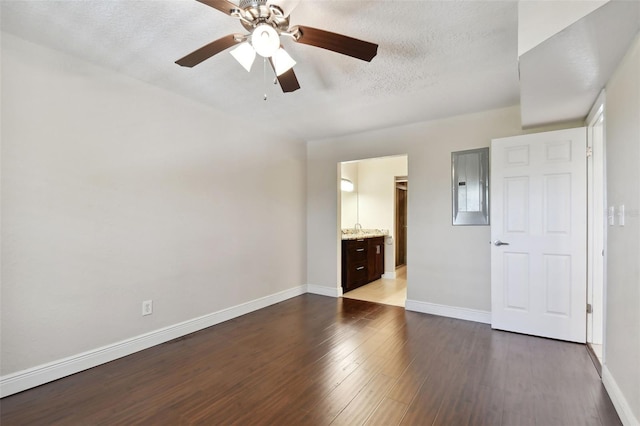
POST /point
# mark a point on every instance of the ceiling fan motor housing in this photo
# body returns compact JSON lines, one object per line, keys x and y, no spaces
{"x":259,"y":12}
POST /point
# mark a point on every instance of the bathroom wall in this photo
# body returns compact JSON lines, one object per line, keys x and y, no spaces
{"x":349,"y":200}
{"x":376,"y":178}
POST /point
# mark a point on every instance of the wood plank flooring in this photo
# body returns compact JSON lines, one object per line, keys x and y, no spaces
{"x":315,"y":360}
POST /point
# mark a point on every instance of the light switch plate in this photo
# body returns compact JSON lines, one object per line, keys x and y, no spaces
{"x":611,"y":215}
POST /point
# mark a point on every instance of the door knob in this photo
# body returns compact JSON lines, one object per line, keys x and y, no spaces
{"x":500,"y":243}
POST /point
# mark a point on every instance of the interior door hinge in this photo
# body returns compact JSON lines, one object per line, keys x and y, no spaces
{"x":589,"y":308}
{"x":589,"y":151}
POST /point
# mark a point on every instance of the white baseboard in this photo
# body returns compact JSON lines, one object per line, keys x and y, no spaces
{"x":448,"y":311}
{"x":324,"y":290}
{"x":617,"y":397}
{"x":22,"y":380}
{"x":389,"y":275}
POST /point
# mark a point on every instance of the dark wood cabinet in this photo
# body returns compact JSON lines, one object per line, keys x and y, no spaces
{"x":375,"y":264}
{"x":362,"y":261}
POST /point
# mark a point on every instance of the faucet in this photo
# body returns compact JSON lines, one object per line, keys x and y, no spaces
{"x":357,"y":227}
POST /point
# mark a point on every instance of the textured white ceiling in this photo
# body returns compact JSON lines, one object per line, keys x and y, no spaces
{"x":561,"y":77}
{"x":435,"y":58}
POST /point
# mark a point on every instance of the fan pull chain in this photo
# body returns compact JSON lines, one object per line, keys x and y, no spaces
{"x":264,"y":76}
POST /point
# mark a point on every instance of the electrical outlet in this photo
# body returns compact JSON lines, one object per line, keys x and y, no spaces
{"x":147,"y":307}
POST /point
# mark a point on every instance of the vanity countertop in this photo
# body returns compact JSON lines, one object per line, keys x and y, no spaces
{"x":353,"y":234}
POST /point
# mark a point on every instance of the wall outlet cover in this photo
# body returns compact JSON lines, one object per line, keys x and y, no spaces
{"x":147,"y":307}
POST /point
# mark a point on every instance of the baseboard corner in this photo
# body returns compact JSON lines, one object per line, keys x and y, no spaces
{"x":449,"y":311}
{"x":324,"y":290}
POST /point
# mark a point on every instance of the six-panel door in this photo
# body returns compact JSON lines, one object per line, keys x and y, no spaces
{"x":538,"y":234}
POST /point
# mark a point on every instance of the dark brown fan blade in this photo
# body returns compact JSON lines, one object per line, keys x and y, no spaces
{"x":205,"y":52}
{"x":337,"y":42}
{"x":222,"y":5}
{"x":288,"y":80}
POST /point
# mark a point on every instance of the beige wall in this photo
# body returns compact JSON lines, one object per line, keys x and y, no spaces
{"x":435,"y":273}
{"x":114,"y":192}
{"x":622,"y":338}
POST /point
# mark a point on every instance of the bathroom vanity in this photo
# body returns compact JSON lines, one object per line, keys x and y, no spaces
{"x":362,"y":258}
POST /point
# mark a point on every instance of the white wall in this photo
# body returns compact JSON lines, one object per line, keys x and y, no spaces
{"x":435,"y":274}
{"x":622,"y":338}
{"x":114,"y":192}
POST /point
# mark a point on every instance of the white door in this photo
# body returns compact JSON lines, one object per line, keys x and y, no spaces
{"x":538,"y":234}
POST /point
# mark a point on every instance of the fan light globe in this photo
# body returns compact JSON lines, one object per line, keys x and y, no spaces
{"x":282,"y":62}
{"x":244,"y":54}
{"x":265,"y":40}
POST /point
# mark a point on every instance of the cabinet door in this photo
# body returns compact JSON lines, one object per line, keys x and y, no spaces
{"x":380,"y":259}
{"x":376,"y":258}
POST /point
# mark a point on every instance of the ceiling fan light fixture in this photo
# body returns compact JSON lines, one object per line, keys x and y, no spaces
{"x":265,"y":40}
{"x":244,"y":54}
{"x":282,"y":62}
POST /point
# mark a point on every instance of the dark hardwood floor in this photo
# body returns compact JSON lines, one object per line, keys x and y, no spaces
{"x":315,"y":360}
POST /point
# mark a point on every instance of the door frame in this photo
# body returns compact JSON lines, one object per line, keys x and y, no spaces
{"x":400,"y":179}
{"x":597,"y":155}
{"x":391,"y":275}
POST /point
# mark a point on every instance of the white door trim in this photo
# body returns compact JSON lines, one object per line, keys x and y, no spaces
{"x":598,"y":156}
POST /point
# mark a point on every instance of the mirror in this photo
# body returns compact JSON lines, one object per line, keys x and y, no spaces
{"x":470,"y":187}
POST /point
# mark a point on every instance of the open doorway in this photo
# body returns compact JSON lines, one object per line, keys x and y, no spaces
{"x":369,"y":229}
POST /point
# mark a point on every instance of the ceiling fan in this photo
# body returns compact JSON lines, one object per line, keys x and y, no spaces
{"x":266,"y":23}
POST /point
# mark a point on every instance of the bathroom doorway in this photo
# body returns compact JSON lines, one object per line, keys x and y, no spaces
{"x":373,"y":216}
